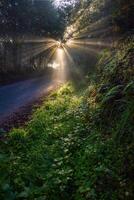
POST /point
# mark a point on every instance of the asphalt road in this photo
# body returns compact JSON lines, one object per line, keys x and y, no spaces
{"x":17,"y":95}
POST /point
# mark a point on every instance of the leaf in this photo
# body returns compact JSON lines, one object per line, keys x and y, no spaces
{"x":113,"y":93}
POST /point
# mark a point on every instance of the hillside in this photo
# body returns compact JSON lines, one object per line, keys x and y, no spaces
{"x":79,"y":144}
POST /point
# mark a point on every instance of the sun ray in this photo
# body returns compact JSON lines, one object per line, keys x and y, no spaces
{"x":37,"y":51}
{"x":71,"y":64}
{"x":88,"y":50}
{"x":51,"y":54}
{"x":68,"y":55}
{"x":91,"y":42}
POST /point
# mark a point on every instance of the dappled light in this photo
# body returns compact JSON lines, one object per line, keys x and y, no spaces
{"x":66,"y":99}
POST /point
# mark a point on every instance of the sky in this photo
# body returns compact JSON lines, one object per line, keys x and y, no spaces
{"x":61,"y":3}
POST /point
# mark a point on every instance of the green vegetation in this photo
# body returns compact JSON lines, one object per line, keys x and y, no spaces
{"x":79,"y":144}
{"x":100,"y":19}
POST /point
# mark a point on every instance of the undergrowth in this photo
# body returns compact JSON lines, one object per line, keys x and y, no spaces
{"x":78,"y":145}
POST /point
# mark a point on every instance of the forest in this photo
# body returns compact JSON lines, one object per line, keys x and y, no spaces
{"x":66,"y":99}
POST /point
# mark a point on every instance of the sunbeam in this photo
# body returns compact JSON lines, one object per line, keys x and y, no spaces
{"x":70,"y":61}
{"x":60,"y":59}
{"x":93,"y":42}
{"x":56,"y":60}
{"x":51,"y":54}
{"x":37,"y":51}
{"x":87,"y":49}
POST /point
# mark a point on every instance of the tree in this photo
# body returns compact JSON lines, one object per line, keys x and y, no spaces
{"x":28,"y":17}
{"x":123,"y":15}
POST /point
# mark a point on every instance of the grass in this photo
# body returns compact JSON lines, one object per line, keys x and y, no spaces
{"x":78,"y":145}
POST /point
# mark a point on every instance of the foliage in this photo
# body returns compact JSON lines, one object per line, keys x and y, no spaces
{"x":78,"y":145}
{"x":27,"y":17}
{"x":100,"y":19}
{"x":123,"y":15}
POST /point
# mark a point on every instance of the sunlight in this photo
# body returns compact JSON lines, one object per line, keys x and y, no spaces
{"x":71,"y":63}
{"x":54,"y":65}
{"x":60,"y":52}
{"x":60,"y":64}
{"x":51,"y":54}
{"x":66,"y":99}
{"x":87,"y":49}
{"x":69,"y":32}
{"x":92,"y":42}
{"x":36,"y":51}
{"x":64,"y":3}
{"x":69,"y":42}
{"x":58,"y":43}
{"x":57,"y":3}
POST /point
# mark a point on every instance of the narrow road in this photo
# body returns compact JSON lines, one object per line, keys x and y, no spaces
{"x":17,"y":95}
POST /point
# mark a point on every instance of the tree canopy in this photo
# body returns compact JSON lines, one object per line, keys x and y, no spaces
{"x":28,"y":17}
